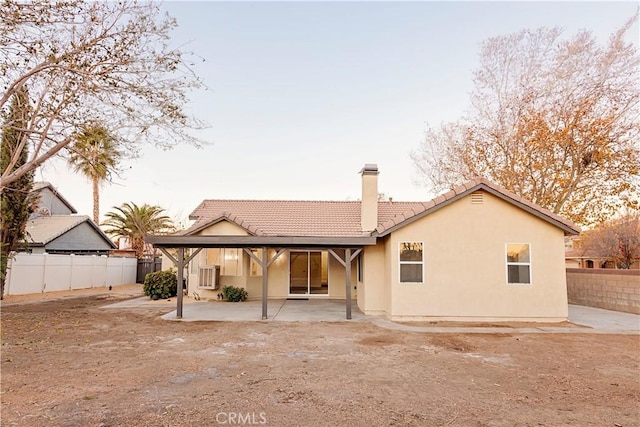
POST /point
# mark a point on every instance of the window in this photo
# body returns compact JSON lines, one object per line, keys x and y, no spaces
{"x":229,"y":260}
{"x":518,"y":263}
{"x":255,"y":269}
{"x":411,"y":262}
{"x":359,"y":268}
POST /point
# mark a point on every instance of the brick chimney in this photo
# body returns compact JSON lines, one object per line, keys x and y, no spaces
{"x":369,"y":204}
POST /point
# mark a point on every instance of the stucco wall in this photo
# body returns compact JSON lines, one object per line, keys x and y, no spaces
{"x":611,"y":289}
{"x":465,"y":265}
{"x":372,"y":291}
{"x":222,"y":228}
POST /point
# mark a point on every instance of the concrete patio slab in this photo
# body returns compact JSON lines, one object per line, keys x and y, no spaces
{"x":317,"y":311}
{"x":604,"y":320}
{"x":278,"y":310}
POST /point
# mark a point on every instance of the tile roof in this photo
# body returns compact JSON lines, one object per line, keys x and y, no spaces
{"x":43,"y":229}
{"x":584,"y":253}
{"x":342,"y":218}
{"x":291,"y":217}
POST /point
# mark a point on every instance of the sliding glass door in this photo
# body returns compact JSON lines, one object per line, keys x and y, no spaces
{"x":308,"y":273}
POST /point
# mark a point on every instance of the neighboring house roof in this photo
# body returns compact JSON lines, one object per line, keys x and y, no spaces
{"x":44,"y":229}
{"x":584,"y":253}
{"x":37,"y":186}
{"x":342,"y":218}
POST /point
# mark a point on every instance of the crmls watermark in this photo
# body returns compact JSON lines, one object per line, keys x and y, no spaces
{"x":241,"y":418}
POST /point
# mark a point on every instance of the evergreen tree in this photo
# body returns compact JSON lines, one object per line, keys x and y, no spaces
{"x":16,"y":202}
{"x":135,"y":222}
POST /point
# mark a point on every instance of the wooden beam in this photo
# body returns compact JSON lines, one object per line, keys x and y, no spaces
{"x":276,"y":256}
{"x":164,"y":251}
{"x":180,"y":277}
{"x":347,"y":256}
{"x":337,"y":257}
{"x":253,"y":256}
{"x":175,"y":261}
{"x":258,"y":241}
{"x":192,"y":256}
{"x":265,"y":282}
{"x":355,"y":254}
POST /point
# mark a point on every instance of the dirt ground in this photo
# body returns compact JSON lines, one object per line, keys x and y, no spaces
{"x":71,"y":363}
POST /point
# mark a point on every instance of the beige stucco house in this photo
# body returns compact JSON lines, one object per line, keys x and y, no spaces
{"x":476,"y":253}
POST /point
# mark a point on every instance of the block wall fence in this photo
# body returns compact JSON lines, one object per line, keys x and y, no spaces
{"x":605,"y":288}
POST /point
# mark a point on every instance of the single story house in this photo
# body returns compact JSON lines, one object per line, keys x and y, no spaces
{"x":56,"y":228}
{"x":581,"y":258}
{"x":476,"y":253}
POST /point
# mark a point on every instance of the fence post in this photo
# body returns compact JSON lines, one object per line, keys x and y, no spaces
{"x":106,"y":269}
{"x":71,"y":257}
{"x":94,"y":279}
{"x":44,"y":271}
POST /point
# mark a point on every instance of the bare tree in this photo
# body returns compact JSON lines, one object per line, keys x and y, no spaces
{"x":617,"y":240}
{"x":553,"y":119}
{"x":93,"y":61}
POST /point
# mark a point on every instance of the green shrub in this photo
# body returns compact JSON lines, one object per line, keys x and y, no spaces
{"x":164,"y":284}
{"x":234,"y":294}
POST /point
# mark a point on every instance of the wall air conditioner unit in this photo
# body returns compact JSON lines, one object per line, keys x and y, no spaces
{"x":209,"y":277}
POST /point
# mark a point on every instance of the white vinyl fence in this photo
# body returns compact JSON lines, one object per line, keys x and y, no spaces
{"x":37,"y":273}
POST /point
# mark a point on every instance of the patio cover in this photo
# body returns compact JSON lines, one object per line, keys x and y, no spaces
{"x":352,"y":246}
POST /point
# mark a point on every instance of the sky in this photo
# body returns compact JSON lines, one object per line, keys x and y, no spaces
{"x":300,"y":95}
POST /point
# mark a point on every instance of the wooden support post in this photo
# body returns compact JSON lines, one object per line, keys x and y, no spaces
{"x":347,"y":258}
{"x":264,"y":263}
{"x":346,"y":263}
{"x":265,"y":282}
{"x":180,"y":277}
{"x":180,"y":263}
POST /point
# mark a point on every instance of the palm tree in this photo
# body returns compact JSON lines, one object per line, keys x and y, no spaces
{"x":135,"y":222}
{"x":95,"y":155}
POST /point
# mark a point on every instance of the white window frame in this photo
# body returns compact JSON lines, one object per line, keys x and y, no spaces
{"x":508,"y":263}
{"x":400,"y":263}
{"x":204,"y":254}
{"x":222,"y":260}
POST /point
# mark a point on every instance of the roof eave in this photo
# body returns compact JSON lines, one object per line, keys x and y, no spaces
{"x":216,"y":221}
